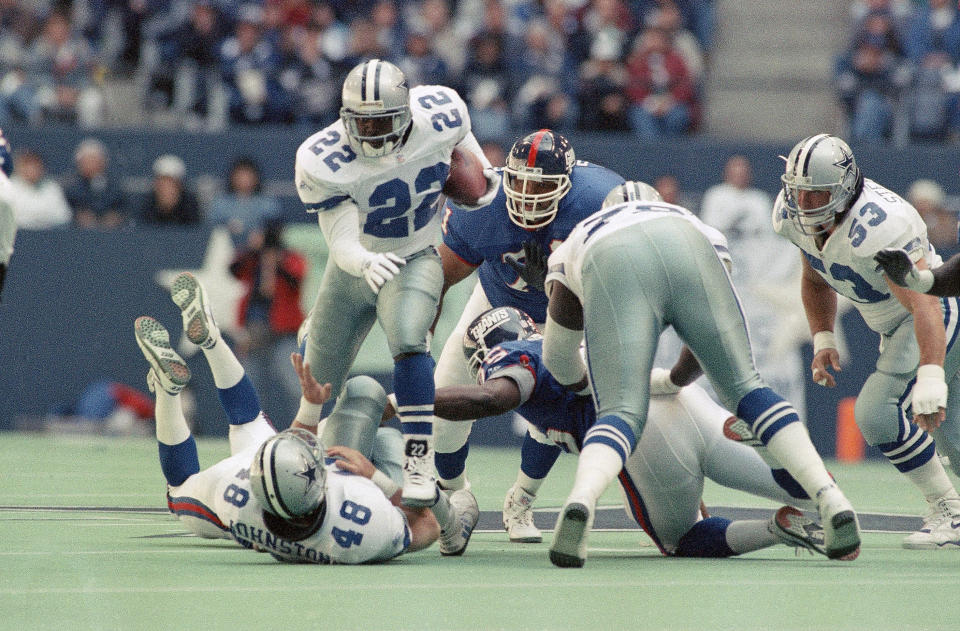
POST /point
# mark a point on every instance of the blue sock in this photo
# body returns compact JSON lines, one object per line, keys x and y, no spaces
{"x":179,"y":462}
{"x":536,"y":459}
{"x":707,"y":538}
{"x":908,"y":452}
{"x":614,"y":432}
{"x":789,"y":484}
{"x":450,"y":465}
{"x":413,"y":385}
{"x":240,"y":402}
{"x":766,"y":412}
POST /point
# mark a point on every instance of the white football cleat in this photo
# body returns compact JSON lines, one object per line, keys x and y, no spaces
{"x":569,"y":547}
{"x":793,"y":529}
{"x":841,"y":531}
{"x":419,"y":481}
{"x":464,"y":505}
{"x":518,"y":516}
{"x":941,"y":527}
{"x":198,"y":323}
{"x":167,"y":369}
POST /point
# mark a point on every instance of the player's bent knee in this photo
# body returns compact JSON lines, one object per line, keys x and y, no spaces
{"x":364,"y":387}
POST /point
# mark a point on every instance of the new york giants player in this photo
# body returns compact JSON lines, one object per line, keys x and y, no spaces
{"x":545,"y":191}
{"x":8,"y":220}
{"x":275,"y":493}
{"x":663,"y":478}
{"x":374,"y":178}
{"x":621,"y":277}
{"x":840,"y":220}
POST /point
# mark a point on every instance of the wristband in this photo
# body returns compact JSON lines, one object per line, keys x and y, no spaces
{"x":931,"y":371}
{"x":823,"y":340}
{"x":384,"y":483}
{"x":309,"y":413}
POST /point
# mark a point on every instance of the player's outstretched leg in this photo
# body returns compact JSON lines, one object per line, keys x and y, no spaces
{"x":198,"y":321}
{"x":414,"y":389}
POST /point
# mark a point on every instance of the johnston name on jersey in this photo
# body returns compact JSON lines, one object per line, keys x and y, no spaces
{"x":485,"y":236}
{"x":878,"y":219}
{"x":398,"y":195}
{"x":360,"y":525}
{"x":566,"y":262}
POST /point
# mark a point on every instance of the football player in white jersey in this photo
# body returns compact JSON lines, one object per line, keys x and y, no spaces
{"x":8,"y":220}
{"x":374,"y":178}
{"x":277,"y":493}
{"x":621,"y":277}
{"x":840,"y":220}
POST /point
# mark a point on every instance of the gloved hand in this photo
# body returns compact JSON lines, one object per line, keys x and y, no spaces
{"x":901,"y":270}
{"x":533,"y":270}
{"x":929,"y":396}
{"x":381,"y":267}
{"x":660,"y":382}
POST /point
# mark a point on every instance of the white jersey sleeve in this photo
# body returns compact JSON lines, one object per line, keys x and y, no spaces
{"x":8,"y":220}
{"x":878,"y":219}
{"x":360,"y":526}
{"x":398,"y":196}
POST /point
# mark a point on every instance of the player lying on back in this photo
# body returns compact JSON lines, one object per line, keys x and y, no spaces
{"x":278,"y":492}
{"x":662,"y":481}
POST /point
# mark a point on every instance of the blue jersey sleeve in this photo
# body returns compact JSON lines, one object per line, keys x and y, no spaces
{"x":459,"y":235}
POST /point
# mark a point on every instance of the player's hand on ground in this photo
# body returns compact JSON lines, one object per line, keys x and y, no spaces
{"x":312,"y":390}
{"x":351,"y":460}
{"x":380,"y":268}
{"x":533,"y":270}
{"x":897,"y":265}
{"x":929,"y":400}
{"x":823,"y":362}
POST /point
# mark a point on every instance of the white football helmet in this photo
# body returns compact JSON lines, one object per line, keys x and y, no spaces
{"x":376,"y":108}
{"x":288,"y":478}
{"x":632,"y":191}
{"x":820,"y":163}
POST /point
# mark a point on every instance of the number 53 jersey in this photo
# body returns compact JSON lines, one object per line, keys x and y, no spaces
{"x":878,"y":219}
{"x":360,"y":525}
{"x":398,"y":195}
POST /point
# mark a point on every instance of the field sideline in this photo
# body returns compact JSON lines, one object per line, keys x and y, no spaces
{"x":86,"y":545}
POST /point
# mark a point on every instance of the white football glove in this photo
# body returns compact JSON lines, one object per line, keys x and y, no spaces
{"x":930,"y":391}
{"x":381,"y":267}
{"x":493,"y":187}
{"x":660,"y":382}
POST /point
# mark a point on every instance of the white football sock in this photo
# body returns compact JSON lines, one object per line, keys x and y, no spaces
{"x":528,"y":484}
{"x":171,"y":424}
{"x":747,"y":535}
{"x":226,"y":368}
{"x":792,"y":448}
{"x":597,"y":467}
{"x":455,"y":484}
{"x":931,"y":479}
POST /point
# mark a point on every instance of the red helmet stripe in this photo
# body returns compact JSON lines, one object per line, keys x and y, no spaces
{"x":532,"y":158}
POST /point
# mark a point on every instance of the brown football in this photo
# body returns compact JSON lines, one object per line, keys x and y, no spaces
{"x":465,"y":184}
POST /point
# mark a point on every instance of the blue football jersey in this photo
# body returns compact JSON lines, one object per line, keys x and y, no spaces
{"x":483,"y":237}
{"x":560,"y":414}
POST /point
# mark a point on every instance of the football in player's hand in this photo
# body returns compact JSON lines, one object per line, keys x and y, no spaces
{"x":465,"y":184}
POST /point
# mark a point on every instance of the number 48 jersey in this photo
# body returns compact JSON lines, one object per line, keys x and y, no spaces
{"x":398,"y":195}
{"x":360,"y":526}
{"x":878,"y":219}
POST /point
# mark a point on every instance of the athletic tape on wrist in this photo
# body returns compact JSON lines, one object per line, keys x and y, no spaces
{"x":823,"y":340}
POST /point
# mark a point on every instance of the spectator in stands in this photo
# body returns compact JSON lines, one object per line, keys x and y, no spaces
{"x":434,"y":19}
{"x":309,"y":77}
{"x":868,"y":79}
{"x":663,"y":101}
{"x":933,"y":48}
{"x":390,"y":33}
{"x":95,"y":197}
{"x":170,"y":203}
{"x":61,"y":70}
{"x":608,"y":19}
{"x":930,"y":201}
{"x":364,"y":43}
{"x":244,"y":208}
{"x":669,"y":188}
{"x":250,"y":66}
{"x":603,"y":104}
{"x":421,"y":64}
{"x":542,"y":99}
{"x":667,"y":16}
{"x":334,"y":36}
{"x":38,"y":200}
{"x":270,"y":315}
{"x":487,"y":86}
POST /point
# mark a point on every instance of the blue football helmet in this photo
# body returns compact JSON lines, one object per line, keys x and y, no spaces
{"x":492,"y":327}
{"x":536,"y":177}
{"x":376,"y":108}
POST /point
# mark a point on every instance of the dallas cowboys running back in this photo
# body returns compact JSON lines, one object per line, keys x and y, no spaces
{"x":621,"y":277}
{"x":374,"y":178}
{"x":545,"y":191}
{"x":276,"y":493}
{"x":840,"y":220}
{"x":663,"y":478}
